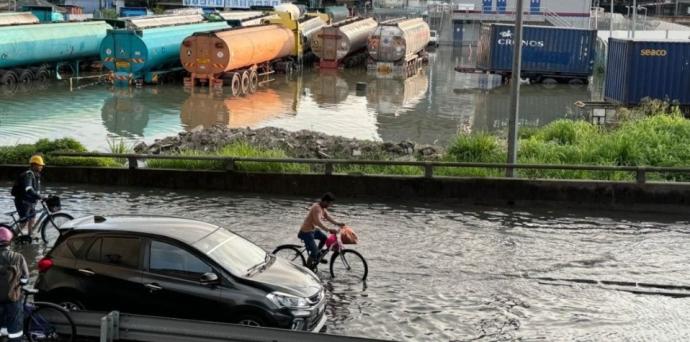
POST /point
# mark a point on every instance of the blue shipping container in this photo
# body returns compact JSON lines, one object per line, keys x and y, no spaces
{"x":656,"y":69}
{"x":547,"y":51}
{"x":134,"y":11}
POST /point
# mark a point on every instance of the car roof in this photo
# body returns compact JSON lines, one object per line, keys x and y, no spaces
{"x":184,"y":230}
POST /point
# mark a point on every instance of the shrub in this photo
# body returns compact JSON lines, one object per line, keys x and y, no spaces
{"x":481,"y":147}
{"x":20,"y":154}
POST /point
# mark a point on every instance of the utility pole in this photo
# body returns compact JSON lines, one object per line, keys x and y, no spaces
{"x":677,"y":4}
{"x":610,"y":23}
{"x":515,"y":91}
{"x":634,"y":15}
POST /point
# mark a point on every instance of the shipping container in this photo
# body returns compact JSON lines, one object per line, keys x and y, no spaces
{"x":17,"y":18}
{"x":46,"y":14}
{"x":337,"y":13}
{"x":134,"y":12}
{"x":658,"y":69}
{"x":549,"y":53}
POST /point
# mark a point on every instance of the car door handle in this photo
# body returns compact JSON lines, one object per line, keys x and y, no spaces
{"x":153,"y":287}
{"x":87,"y":272}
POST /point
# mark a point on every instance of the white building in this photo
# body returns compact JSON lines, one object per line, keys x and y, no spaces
{"x":463,"y":25}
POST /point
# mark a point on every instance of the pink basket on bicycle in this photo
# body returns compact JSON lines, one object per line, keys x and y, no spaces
{"x":331,"y":240}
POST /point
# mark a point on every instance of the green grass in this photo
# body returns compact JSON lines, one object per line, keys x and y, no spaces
{"x":399,"y":170}
{"x":654,"y":135}
{"x":238,"y":150}
{"x":643,"y":140}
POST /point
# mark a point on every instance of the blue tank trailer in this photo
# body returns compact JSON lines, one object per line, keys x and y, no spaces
{"x":35,"y":52}
{"x":136,"y":55}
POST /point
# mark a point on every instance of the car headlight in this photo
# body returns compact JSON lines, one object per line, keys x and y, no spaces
{"x":284,"y":300}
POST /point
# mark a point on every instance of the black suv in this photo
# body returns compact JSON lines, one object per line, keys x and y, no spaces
{"x":175,"y":267}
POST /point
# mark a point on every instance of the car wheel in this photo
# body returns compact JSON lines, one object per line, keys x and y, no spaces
{"x":71,"y":304}
{"x":251,"y":321}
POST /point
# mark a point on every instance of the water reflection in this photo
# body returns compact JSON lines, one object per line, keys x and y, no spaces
{"x":431,"y":107}
{"x":205,"y":109}
{"x":328,"y":87}
{"x":127,"y":112}
{"x":124,"y":115}
{"x":390,"y":96}
{"x":539,"y":105}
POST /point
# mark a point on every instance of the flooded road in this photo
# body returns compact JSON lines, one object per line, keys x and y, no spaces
{"x":443,"y":273}
{"x":431,"y":107}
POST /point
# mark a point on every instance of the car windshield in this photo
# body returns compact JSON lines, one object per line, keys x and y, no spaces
{"x":235,"y":253}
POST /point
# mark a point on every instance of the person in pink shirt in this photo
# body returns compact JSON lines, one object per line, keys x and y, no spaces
{"x":313,"y":225}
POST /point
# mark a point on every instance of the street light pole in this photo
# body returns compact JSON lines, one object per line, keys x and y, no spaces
{"x":610,"y":22}
{"x":677,"y":3}
{"x":634,"y":8}
{"x":515,"y":91}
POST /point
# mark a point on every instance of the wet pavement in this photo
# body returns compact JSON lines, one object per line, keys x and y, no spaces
{"x":446,"y":272}
{"x":431,"y":107}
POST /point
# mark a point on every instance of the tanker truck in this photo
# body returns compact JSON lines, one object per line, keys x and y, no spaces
{"x":30,"y":51}
{"x":148,"y":48}
{"x":396,"y":47}
{"x":240,"y":56}
{"x":343,"y":43}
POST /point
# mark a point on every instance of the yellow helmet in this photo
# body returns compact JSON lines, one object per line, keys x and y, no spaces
{"x":38,"y":160}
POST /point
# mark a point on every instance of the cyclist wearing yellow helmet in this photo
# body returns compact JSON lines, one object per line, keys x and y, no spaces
{"x":27,"y":191}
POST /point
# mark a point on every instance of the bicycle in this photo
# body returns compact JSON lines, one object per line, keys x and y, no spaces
{"x":46,"y":321}
{"x":349,"y":264}
{"x":48,"y":222}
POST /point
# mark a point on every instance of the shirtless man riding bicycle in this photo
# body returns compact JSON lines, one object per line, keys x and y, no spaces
{"x":313,"y":225}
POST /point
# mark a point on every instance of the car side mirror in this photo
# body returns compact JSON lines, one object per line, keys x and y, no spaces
{"x":209,"y":278}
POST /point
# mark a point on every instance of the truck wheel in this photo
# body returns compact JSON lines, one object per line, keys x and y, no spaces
{"x":42,"y":75}
{"x":235,"y":84}
{"x":245,"y":83}
{"x":549,"y":83}
{"x":9,"y":78}
{"x":575,"y":81}
{"x":253,"y":81}
{"x":25,"y":76}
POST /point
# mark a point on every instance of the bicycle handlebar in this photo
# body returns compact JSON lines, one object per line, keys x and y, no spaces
{"x":29,"y":290}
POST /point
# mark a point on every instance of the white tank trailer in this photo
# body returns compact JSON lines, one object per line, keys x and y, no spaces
{"x":340,"y":43}
{"x":397,"y":46}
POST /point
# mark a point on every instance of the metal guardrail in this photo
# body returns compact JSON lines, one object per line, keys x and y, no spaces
{"x":116,"y":326}
{"x":427,"y":166}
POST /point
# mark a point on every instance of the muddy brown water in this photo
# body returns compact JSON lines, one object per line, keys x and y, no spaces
{"x":431,"y":107}
{"x":440,"y":272}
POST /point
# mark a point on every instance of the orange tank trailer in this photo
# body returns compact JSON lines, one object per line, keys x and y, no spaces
{"x":238,"y":53}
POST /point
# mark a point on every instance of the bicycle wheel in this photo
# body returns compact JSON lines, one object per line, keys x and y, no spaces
{"x":49,"y":227}
{"x":348,"y":264}
{"x":290,"y":253}
{"x":49,"y":322}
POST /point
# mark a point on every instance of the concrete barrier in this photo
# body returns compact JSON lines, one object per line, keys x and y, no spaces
{"x":667,"y":197}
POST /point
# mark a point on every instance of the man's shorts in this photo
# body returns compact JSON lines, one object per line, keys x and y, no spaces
{"x":11,"y":318}
{"x":26,"y":210}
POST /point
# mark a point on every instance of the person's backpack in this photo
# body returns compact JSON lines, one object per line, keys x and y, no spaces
{"x":18,"y":187}
{"x":10,"y":277}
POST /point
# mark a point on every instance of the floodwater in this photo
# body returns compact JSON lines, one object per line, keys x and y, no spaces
{"x":439,"y":272}
{"x":431,"y":107}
